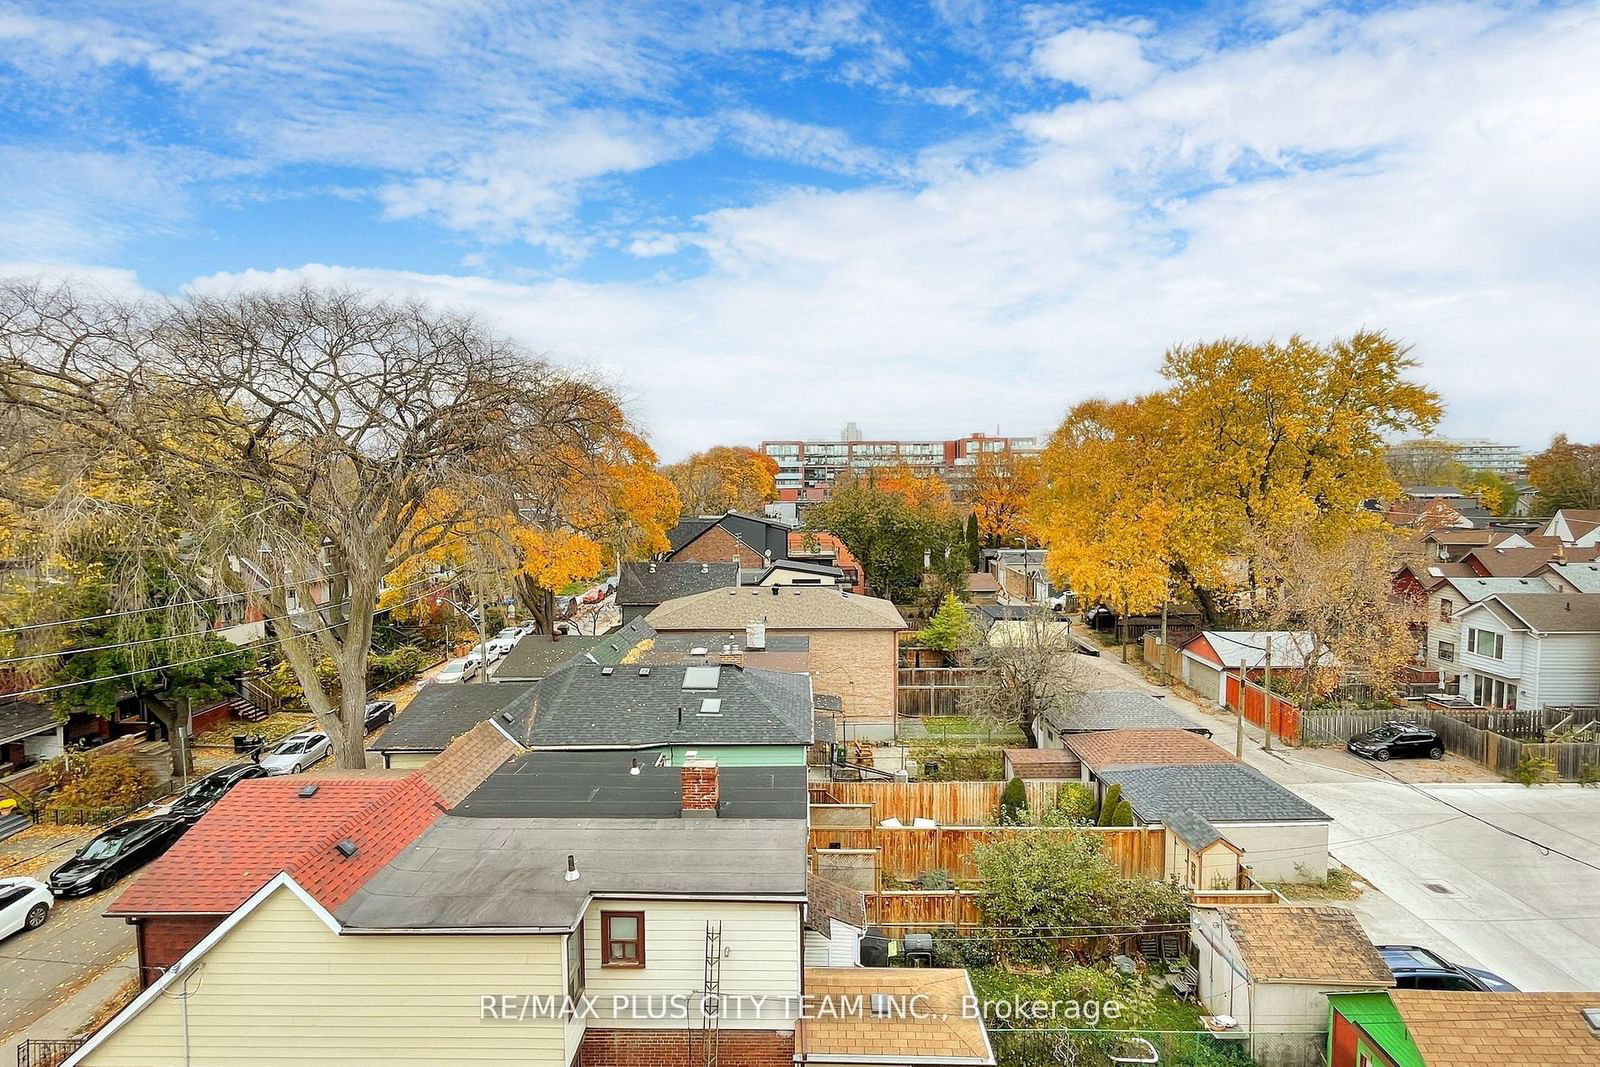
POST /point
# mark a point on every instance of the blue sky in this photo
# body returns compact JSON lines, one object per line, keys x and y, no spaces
{"x":766,"y":219}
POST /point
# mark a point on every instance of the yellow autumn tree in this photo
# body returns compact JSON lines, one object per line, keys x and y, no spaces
{"x":1000,"y":491}
{"x":1247,"y":441}
{"x":724,"y":478}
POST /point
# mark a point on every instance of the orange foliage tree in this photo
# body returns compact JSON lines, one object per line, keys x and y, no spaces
{"x":1000,"y":492}
{"x":724,"y":478}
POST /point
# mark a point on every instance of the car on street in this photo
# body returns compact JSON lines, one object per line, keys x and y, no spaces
{"x":115,"y":852}
{"x":452,"y":672}
{"x":294,"y":754}
{"x":1414,"y":967}
{"x":1397,"y":740}
{"x":203,"y":795}
{"x":499,"y":646}
{"x":25,"y":904}
{"x":379,"y":713}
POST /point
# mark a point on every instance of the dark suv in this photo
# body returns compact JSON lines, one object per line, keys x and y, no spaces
{"x":203,"y":795}
{"x":1417,"y":968}
{"x":1397,"y":740}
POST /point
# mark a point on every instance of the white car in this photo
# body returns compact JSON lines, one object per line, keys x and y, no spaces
{"x":295,"y":754}
{"x":499,"y":646}
{"x":453,"y":672}
{"x":25,"y":904}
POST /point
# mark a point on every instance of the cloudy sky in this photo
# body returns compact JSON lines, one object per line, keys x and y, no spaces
{"x":927,"y":216}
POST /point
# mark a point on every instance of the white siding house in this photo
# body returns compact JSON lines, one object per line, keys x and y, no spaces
{"x":1531,"y":650}
{"x":1446,"y":600}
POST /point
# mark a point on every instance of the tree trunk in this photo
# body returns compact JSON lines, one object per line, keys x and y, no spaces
{"x":179,"y":750}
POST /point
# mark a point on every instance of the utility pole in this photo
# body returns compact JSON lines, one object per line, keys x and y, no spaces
{"x":1266,"y":700}
{"x":1164,"y":653}
{"x":1238,"y":717}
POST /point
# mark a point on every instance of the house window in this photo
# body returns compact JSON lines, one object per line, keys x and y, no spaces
{"x":1493,"y":693}
{"x":1486,"y":643}
{"x":622,"y":933}
{"x":575,"y":982}
{"x":1447,"y":651}
{"x":1446,"y":609}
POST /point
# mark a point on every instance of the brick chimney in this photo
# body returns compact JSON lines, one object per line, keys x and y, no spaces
{"x":700,"y":789}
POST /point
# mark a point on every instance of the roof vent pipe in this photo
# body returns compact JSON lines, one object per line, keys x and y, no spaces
{"x":572,"y":868}
{"x":634,"y":770}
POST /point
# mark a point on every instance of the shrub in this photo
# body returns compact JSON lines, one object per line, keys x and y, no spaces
{"x":950,"y":628}
{"x":1533,"y":769}
{"x":935,"y":879}
{"x":1014,"y":804}
{"x":102,"y":782}
{"x":1589,"y":775}
{"x":1108,"y":805}
{"x":1075,"y":806}
{"x":1121,"y":815}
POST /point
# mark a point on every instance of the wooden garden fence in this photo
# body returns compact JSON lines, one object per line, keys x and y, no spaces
{"x":906,"y":854}
{"x":946,"y":803}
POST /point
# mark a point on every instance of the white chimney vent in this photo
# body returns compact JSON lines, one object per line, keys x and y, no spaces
{"x":755,"y":637}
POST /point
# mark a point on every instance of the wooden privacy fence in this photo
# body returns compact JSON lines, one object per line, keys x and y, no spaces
{"x":925,"y":909}
{"x":1260,"y":705}
{"x":946,"y":803}
{"x":1168,"y":658}
{"x":906,"y":854}
{"x":935,"y":690}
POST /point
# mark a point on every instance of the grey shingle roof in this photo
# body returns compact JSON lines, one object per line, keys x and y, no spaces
{"x":650,"y":584}
{"x":1217,"y":792}
{"x":19,"y":718}
{"x":1116,"y":709}
{"x":584,"y":706}
{"x":614,"y":646}
{"x":601,"y":785}
{"x":441,"y":713}
{"x":510,"y":873}
{"x":1554,"y":613}
{"x":798,"y":607}
{"x":536,"y":656}
{"x":1194,"y":831}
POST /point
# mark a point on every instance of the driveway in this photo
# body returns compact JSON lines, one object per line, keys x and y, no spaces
{"x":1451,"y":881}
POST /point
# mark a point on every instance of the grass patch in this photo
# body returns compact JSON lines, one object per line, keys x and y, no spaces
{"x":1341,"y":884}
{"x":273,"y":728}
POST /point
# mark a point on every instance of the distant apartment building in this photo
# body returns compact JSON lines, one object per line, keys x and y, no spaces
{"x":808,"y":469}
{"x":1473,"y":453}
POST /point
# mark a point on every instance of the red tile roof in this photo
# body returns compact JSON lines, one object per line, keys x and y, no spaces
{"x":1144,"y":748}
{"x":1042,"y":762}
{"x":264,"y":826}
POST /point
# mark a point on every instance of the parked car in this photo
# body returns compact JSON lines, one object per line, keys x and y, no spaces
{"x":453,"y":672}
{"x":1402,"y":740}
{"x":204,"y":794}
{"x":1418,"y":968}
{"x":499,"y":646}
{"x":379,"y":712}
{"x":24,"y":905}
{"x":295,"y":754}
{"x":114,"y":853}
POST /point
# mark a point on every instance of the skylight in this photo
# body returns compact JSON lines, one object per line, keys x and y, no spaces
{"x":701,"y":677}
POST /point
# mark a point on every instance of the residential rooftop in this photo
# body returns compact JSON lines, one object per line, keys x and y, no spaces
{"x":946,"y":1032}
{"x":1115,"y":709}
{"x":1500,"y":1029}
{"x":1107,"y":749}
{"x":440,"y":713}
{"x":511,"y":874}
{"x":625,"y":785}
{"x":1217,"y":792}
{"x":537,"y":656}
{"x":586,"y":705}
{"x":795,"y":607}
{"x":655,"y":582}
{"x":1305,"y":943}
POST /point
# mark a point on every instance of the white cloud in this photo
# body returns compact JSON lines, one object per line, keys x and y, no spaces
{"x":1427,"y":171}
{"x":1103,"y":62}
{"x":804,"y":143}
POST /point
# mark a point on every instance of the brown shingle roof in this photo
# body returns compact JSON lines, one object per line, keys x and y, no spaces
{"x":1312,"y":943}
{"x":796,"y":607}
{"x":1144,"y":748}
{"x":1521,"y":562}
{"x":1499,"y":1029}
{"x":945,"y":1032}
{"x":1043,"y":762}
{"x":827,"y":900}
{"x":468,"y":761}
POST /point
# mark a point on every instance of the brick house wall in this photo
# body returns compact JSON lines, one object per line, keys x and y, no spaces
{"x":717,"y":545}
{"x":682,"y":1048}
{"x":163,"y":939}
{"x":861,"y":667}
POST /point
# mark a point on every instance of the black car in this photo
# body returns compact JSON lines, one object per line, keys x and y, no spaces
{"x":1417,"y":968}
{"x":114,"y":853}
{"x":204,"y":794}
{"x":1397,"y":740}
{"x":378,"y":713}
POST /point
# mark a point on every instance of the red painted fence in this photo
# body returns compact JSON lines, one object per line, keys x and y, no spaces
{"x":1258,"y":704}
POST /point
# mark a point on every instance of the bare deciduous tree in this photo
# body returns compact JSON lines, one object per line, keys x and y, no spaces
{"x":314,"y":439}
{"x":1031,"y":666}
